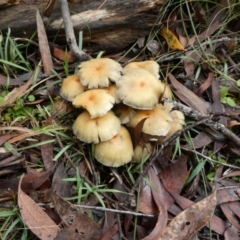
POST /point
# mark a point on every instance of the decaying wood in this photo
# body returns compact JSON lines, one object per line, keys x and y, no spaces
{"x":107,"y":25}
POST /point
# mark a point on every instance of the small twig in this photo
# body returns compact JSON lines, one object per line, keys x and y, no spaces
{"x":210,"y":159}
{"x":160,"y":151}
{"x":119,"y":225}
{"x":230,"y":60}
{"x":187,"y":111}
{"x":237,"y":118}
{"x":116,"y":211}
{"x":70,"y":36}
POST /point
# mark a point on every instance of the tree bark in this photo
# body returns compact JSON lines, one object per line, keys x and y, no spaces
{"x":108,"y":25}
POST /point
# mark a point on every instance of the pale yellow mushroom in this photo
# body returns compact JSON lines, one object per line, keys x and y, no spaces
{"x":149,"y":65}
{"x":99,"y":72}
{"x":94,"y":130}
{"x":96,"y":101}
{"x":71,"y":87}
{"x":139,"y":89}
{"x":157,"y":123}
{"x":116,"y":151}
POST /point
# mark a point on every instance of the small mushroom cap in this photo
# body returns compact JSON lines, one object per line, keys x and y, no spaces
{"x":116,"y":151}
{"x":96,"y":101}
{"x":99,"y":72}
{"x":71,"y":87}
{"x":167,"y":92}
{"x":112,"y":90}
{"x":142,"y":152}
{"x":149,"y":65}
{"x":176,"y":125}
{"x":139,"y":89}
{"x":98,"y":129}
{"x":125,"y":113}
{"x":157,"y":121}
{"x":177,"y":117}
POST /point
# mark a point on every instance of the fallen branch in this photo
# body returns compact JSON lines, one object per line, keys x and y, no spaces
{"x":70,"y":36}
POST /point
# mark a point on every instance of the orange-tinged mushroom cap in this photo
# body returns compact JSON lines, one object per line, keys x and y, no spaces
{"x":142,"y":152}
{"x":116,"y":151}
{"x":167,"y":92}
{"x":99,"y":72}
{"x":112,"y":90}
{"x":139,"y":89}
{"x":124,"y":112}
{"x":176,"y":125}
{"x":71,"y":87}
{"x":96,"y":101}
{"x":149,"y":65}
{"x":157,"y":121}
{"x":98,"y":129}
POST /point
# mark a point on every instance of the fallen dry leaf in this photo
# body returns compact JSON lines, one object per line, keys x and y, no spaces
{"x":216,"y":223}
{"x":188,"y":222}
{"x":230,"y":214}
{"x":77,"y":224}
{"x":205,"y":85}
{"x":17,"y":93}
{"x":187,"y":96}
{"x":174,"y":182}
{"x":146,"y":204}
{"x":161,"y":204}
{"x":35,"y":218}
{"x":171,"y":39}
{"x":59,"y":186}
{"x":43,"y":45}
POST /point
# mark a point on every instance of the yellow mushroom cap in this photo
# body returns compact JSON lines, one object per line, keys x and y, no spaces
{"x":167,"y":92}
{"x":71,"y":87}
{"x":141,"y":152}
{"x":96,"y":101}
{"x":139,"y":89}
{"x":112,"y":90}
{"x":149,"y":65}
{"x":176,"y":125}
{"x":116,"y":151}
{"x":157,"y":121}
{"x":98,"y":72}
{"x":98,"y":129}
{"x":125,"y":113}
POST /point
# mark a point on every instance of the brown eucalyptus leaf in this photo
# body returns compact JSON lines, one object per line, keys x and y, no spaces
{"x":77,"y":224}
{"x":161,"y":204}
{"x":187,"y":96}
{"x":174,"y":182}
{"x":35,"y":218}
{"x":227,"y":209}
{"x":188,"y":222}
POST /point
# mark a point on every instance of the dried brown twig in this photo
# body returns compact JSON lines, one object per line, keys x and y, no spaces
{"x":70,"y":36}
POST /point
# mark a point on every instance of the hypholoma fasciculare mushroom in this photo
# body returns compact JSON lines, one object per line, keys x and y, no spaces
{"x":71,"y":87}
{"x":149,"y":65}
{"x":94,"y":130}
{"x":157,"y":121}
{"x":99,"y":72}
{"x":96,"y":101}
{"x":112,"y":96}
{"x":139,"y":89}
{"x":116,"y":151}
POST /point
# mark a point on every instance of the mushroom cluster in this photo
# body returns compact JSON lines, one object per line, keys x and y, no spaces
{"x":115,"y":99}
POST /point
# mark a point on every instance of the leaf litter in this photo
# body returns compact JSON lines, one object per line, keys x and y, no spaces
{"x":202,"y":70}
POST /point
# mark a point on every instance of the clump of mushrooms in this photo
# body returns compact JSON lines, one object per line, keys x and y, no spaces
{"x":115,"y":99}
